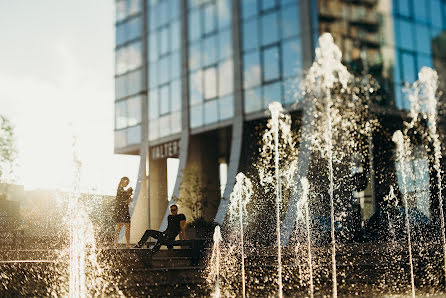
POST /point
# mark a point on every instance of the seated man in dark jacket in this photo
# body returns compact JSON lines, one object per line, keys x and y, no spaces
{"x":175,"y":225}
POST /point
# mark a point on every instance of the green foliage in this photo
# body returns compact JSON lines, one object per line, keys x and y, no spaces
{"x":8,"y":151}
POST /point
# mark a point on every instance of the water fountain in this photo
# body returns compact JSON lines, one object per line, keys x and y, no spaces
{"x":214,"y":275}
{"x":240,"y":197}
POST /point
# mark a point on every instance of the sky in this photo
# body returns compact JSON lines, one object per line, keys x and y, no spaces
{"x":56,"y":85}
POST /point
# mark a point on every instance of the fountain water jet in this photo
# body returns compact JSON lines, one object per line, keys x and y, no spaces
{"x":240,"y":197}
{"x":424,"y":99}
{"x":398,"y":138}
{"x":215,"y":259}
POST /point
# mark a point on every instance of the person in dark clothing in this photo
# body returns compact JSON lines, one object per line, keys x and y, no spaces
{"x":175,"y":225}
{"x":121,"y":213}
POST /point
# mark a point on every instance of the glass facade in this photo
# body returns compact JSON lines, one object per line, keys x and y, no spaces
{"x":271,"y":52}
{"x":416,"y":25}
{"x":129,"y":72}
{"x":210,"y":61}
{"x":164,"y":67}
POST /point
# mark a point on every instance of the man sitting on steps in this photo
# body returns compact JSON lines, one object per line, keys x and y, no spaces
{"x":175,"y":225}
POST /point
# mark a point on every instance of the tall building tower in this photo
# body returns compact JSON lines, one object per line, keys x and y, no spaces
{"x":194,"y":78}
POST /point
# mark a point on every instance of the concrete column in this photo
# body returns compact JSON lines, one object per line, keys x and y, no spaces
{"x":157,"y":191}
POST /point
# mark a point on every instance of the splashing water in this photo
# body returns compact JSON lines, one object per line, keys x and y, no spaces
{"x":303,"y":204}
{"x":392,"y":201}
{"x":215,"y":261}
{"x":423,"y":100}
{"x":276,"y":109}
{"x":402,"y":149}
{"x":240,"y":197}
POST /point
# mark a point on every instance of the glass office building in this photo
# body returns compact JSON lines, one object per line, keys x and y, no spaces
{"x":190,"y":74}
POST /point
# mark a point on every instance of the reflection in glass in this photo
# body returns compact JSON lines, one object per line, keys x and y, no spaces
{"x":194,"y":56}
{"x":252,"y":100}
{"x":405,"y":35}
{"x":194,"y":25}
{"x":195,"y":88}
{"x":153,"y":75}
{"x":271,"y":69}
{"x":175,"y":36}
{"x":290,"y":21}
{"x":209,"y":54}
{"x":154,"y":130}
{"x":272,"y":92}
{"x":251,"y":69}
{"x":134,"y":135}
{"x":249,"y":8}
{"x":224,"y":13}
{"x":409,"y":70}
{"x":175,"y":65}
{"x":153,"y":104}
{"x":152,"y":47}
{"x":196,"y":116}
{"x":164,"y":126}
{"x":291,"y":57}
{"x":163,"y":70}
{"x":163,"y":43}
{"x":175,"y":122}
{"x":270,"y":28}
{"x":134,"y":82}
{"x":209,"y":18}
{"x":134,"y":110}
{"x":226,"y":107}
{"x":164,"y":99}
{"x":423,"y":39}
{"x":120,"y":138}
{"x":267,"y":4}
{"x":225,"y":44}
{"x":210,"y":112}
{"x":175,"y":95}
{"x":120,"y":114}
{"x":225,"y":81}
{"x":250,"y":35}
{"x":210,"y":82}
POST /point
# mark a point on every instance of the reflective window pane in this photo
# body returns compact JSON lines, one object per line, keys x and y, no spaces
{"x":164,"y":126}
{"x":436,"y":18}
{"x":153,"y":75}
{"x":175,"y":95}
{"x":134,"y":28}
{"x":174,"y":9}
{"x":134,"y":55}
{"x":209,"y":18}
{"x":120,"y":61}
{"x":163,"y":70}
{"x":251,"y":69}
{"x":270,"y":28}
{"x":291,"y":91}
{"x":134,"y":82}
{"x":153,"y":104}
{"x":163,"y":13}
{"x":290,"y":21}
{"x":250,"y":35}
{"x":121,"y":35}
{"x":120,"y":139}
{"x":121,"y":10}
{"x":424,"y":60}
{"x":271,"y":70}
{"x":175,"y":36}
{"x":225,"y":78}
{"x":267,"y":4}
{"x":175,"y":65}
{"x":404,"y":7}
{"x":225,"y":44}
{"x":194,"y":25}
{"x":196,"y":116}
{"x":409,"y":70}
{"x":134,"y":135}
{"x":291,"y":57}
{"x":210,"y":83}
{"x":405,"y":35}
{"x":423,"y":39}
{"x":154,"y":131}
{"x":249,"y":8}
{"x":133,"y":110}
{"x":120,"y":87}
{"x":134,"y":6}
{"x":175,"y":122}
{"x":252,"y":100}
{"x":420,"y":10}
{"x":224,"y":13}
{"x":195,"y":88}
{"x":153,"y":47}
{"x":271,"y":93}
{"x":210,"y":112}
{"x":120,"y":114}
{"x":164,"y":99}
{"x":209,"y":50}
{"x":194,"y":56}
{"x":163,"y":40}
{"x":226,"y":107}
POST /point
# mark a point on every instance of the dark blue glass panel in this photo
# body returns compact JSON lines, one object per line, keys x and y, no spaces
{"x":270,"y":28}
{"x":134,"y":28}
{"x":271,"y":69}
{"x":250,"y":35}
{"x":268,"y":4}
{"x":420,"y":10}
{"x":436,"y":10}
{"x":249,"y":8}
{"x":423,"y":39}
{"x":251,"y":69}
{"x":405,"y":35}
{"x":290,"y":21}
{"x":291,"y":57}
{"x":409,"y":71}
{"x":404,"y":7}
{"x":284,"y":2}
{"x":424,"y":60}
{"x":271,"y":93}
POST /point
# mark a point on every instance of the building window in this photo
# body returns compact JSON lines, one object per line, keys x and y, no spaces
{"x":271,"y":68}
{"x":210,"y":83}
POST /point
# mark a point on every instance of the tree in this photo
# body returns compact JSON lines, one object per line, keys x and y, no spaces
{"x":8,"y":151}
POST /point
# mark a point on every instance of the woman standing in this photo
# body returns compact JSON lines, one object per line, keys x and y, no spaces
{"x":121,"y":214}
